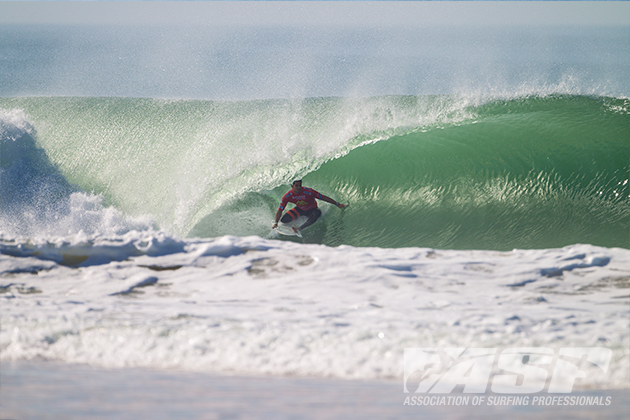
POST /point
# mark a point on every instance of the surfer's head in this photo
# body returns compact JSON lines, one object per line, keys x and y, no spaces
{"x":297,"y":185}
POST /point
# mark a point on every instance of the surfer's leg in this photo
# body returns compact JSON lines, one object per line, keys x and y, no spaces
{"x":291,"y":215}
{"x":312,"y":218}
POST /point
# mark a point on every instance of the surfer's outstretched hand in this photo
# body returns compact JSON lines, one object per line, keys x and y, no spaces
{"x":342,"y":206}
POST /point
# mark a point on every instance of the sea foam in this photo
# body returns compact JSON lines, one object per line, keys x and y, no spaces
{"x":256,"y":306}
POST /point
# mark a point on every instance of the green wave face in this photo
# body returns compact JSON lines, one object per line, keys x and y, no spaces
{"x":531,"y":173}
{"x":431,"y":171}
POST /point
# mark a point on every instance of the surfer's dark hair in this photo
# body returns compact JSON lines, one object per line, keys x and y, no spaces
{"x":297,"y":180}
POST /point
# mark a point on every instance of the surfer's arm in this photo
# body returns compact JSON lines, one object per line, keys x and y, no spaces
{"x":278,"y":214}
{"x":333,"y":202}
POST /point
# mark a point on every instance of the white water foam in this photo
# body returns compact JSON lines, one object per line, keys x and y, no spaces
{"x":255,"y":306}
{"x":36,"y":199}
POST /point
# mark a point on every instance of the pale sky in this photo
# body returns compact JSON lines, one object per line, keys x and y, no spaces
{"x":314,"y":13}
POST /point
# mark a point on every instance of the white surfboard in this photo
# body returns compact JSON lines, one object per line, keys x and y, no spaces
{"x":287,"y":228}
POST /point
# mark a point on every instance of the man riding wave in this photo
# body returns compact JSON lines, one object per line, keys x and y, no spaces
{"x":305,"y":202}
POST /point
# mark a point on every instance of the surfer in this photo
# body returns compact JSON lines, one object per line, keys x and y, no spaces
{"x":305,"y":202}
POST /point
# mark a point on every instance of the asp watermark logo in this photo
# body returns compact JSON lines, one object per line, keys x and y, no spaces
{"x":521,"y":370}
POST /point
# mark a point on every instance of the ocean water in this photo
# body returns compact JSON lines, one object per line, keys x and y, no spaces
{"x":140,"y":170}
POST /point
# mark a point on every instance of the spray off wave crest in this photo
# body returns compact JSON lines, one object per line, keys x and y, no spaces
{"x":456,"y":172}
